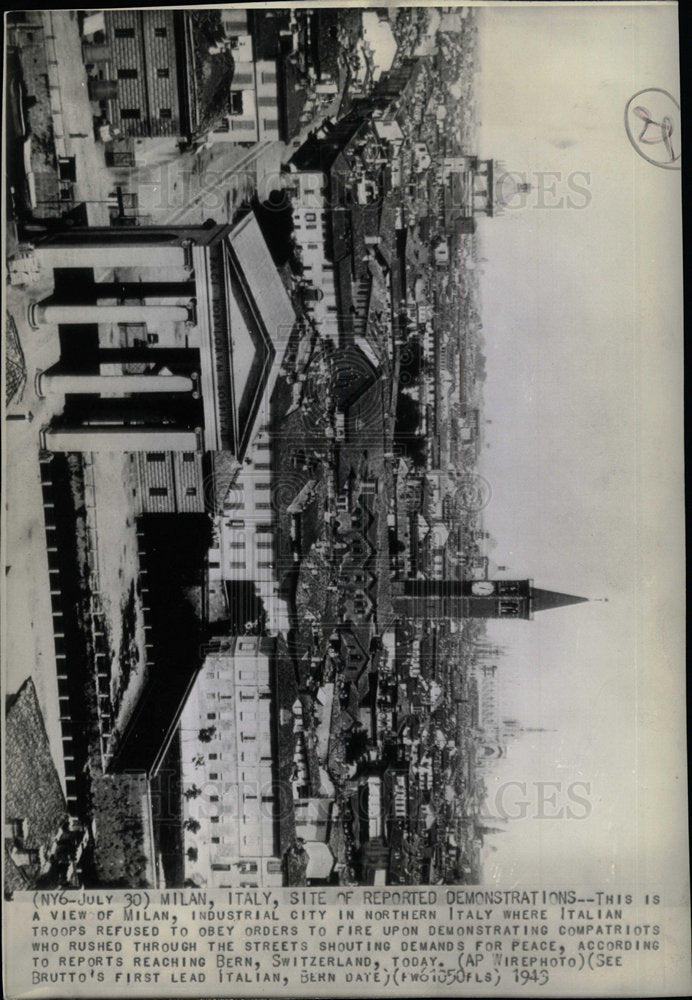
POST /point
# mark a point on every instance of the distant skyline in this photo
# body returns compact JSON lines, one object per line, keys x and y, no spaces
{"x":570,"y":312}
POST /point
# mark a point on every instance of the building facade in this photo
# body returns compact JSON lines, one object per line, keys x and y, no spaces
{"x":135,"y":72}
{"x":230,"y":799}
{"x":311,"y":229}
{"x":172,"y":338}
{"x":245,"y":540}
{"x":254,"y":98}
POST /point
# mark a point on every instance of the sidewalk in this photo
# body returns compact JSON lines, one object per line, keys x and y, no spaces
{"x":72,"y":113}
{"x":29,"y":647}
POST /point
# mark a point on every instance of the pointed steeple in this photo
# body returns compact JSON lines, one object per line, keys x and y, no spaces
{"x":546,"y":600}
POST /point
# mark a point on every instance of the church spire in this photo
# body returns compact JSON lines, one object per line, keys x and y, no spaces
{"x":546,"y":600}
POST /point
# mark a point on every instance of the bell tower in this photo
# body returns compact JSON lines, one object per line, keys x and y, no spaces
{"x":476,"y":599}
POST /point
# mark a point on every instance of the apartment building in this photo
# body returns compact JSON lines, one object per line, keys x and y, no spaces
{"x":256,"y":98}
{"x":245,"y":543}
{"x":135,"y":69}
{"x":311,"y":229}
{"x":230,"y":800}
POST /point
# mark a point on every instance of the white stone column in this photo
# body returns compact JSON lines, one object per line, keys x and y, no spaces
{"x":111,"y":385}
{"x":52,"y":314}
{"x":114,"y":256}
{"x":119,"y":439}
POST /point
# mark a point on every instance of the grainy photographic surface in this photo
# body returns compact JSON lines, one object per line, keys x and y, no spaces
{"x":342,"y":502}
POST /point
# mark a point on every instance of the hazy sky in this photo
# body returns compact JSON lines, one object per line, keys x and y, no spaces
{"x":582,"y":324}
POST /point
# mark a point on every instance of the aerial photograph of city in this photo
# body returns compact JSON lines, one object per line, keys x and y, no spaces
{"x":255,"y":599}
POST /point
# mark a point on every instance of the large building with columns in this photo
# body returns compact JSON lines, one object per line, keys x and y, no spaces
{"x":171,"y":340}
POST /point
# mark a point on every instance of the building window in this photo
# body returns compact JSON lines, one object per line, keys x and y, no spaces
{"x":135,"y":333}
{"x":235,"y":24}
{"x":165,"y":113}
{"x":124,"y":32}
{"x":509,"y":609}
{"x":134,"y":114}
{"x":160,"y":32}
{"x":211,"y":715}
{"x":270,"y":124}
{"x":156,"y":456}
{"x":273,"y":867}
{"x":191,"y":491}
{"x":158,"y":491}
{"x":213,"y":776}
{"x":127,"y":74}
{"x":188,"y":456}
{"x":214,"y":565}
{"x":237,"y":564}
{"x":262,"y":505}
{"x":243,"y":79}
{"x":269,"y":77}
{"x":310,"y":216}
{"x":213,"y":798}
{"x":247,"y":867}
{"x":220,"y":868}
{"x":263,"y":465}
{"x":263,"y":486}
{"x":214,"y":819}
{"x":247,"y":737}
{"x":163,"y":73}
{"x":234,"y":505}
{"x":236,"y":102}
{"x":263,"y":445}
{"x":237,"y":545}
{"x":263,"y":564}
{"x":264,"y":543}
{"x":213,"y":756}
{"x":216,"y":840}
{"x":245,"y":126}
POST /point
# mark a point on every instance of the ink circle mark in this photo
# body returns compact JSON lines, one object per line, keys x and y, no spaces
{"x":652,"y":123}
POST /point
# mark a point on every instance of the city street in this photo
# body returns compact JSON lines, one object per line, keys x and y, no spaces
{"x":72,"y":114}
{"x":208,"y":183}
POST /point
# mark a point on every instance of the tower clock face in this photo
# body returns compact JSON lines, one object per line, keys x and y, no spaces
{"x":483,"y":588}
